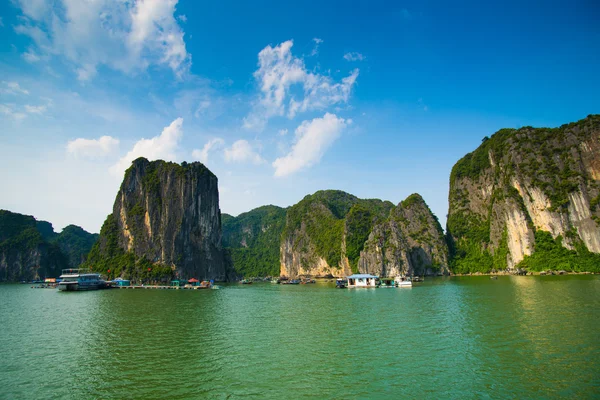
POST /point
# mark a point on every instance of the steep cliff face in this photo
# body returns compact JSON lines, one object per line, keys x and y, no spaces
{"x":410,"y":241}
{"x":166,"y":222}
{"x":332,"y":232}
{"x":75,"y":243}
{"x":252,"y":238}
{"x":30,"y":249}
{"x":521,"y":181}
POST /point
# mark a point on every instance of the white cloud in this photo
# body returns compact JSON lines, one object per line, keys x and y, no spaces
{"x":182,"y":18}
{"x":283,"y":132}
{"x":319,"y":94}
{"x":315,"y":49}
{"x":12,"y":88}
{"x":161,"y":147}
{"x":124,"y":35}
{"x":31,"y":56}
{"x":354,"y":56}
{"x":202,"y":107}
{"x":8,"y":110}
{"x":313,"y":138}
{"x":86,"y":72}
{"x":202,"y":155}
{"x":93,"y":148}
{"x":241,"y":152}
{"x":278,"y":71}
{"x":35,"y":109}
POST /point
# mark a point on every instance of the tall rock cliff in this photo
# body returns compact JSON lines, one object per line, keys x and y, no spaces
{"x":166,"y":223}
{"x":253,"y":238}
{"x":332,"y":232}
{"x":519,"y":184}
{"x":30,"y":249}
{"x":411,"y":241}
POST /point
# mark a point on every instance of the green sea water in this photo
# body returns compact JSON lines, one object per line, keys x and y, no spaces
{"x":461,"y":337}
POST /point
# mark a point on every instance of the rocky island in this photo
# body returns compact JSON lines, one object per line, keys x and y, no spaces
{"x":165,"y":223}
{"x":528,"y":198}
{"x":525,"y":199}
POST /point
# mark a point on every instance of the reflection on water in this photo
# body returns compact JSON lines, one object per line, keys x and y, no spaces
{"x":447,"y":337}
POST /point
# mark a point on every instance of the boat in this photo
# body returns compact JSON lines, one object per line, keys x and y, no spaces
{"x":73,"y":280}
{"x":246,"y":282}
{"x":362,"y":281}
{"x":403,"y":281}
{"x":387,"y":283}
{"x":341,"y":283}
{"x":204,"y":285}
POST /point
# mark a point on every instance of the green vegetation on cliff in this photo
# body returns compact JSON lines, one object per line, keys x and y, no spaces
{"x":107,"y":257}
{"x":253,"y":240}
{"x":551,"y":255}
{"x":326,"y":215}
{"x":507,"y":175}
{"x":31,"y":248}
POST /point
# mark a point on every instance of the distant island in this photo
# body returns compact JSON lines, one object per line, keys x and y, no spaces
{"x":526,"y":199}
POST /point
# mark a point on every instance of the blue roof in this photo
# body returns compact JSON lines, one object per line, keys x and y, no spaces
{"x":359,"y":276}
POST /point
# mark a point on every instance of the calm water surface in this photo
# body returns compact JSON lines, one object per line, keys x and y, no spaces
{"x":469,"y":337}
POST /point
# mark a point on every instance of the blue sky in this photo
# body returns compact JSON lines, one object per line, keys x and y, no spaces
{"x":278,"y":99}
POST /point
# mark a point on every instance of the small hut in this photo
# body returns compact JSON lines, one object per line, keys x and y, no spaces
{"x":193,"y":282}
{"x":362,"y":281}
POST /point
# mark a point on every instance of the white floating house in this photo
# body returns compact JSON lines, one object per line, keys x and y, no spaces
{"x":362,"y":280}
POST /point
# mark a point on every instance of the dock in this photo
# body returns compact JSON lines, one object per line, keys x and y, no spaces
{"x":161,"y":287}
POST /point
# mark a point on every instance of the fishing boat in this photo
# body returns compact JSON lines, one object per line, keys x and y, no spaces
{"x":246,"y":282}
{"x":387,"y":283}
{"x":403,"y":281}
{"x":73,"y":280}
{"x":341,"y":283}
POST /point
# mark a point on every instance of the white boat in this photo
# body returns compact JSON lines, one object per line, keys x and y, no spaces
{"x":362,"y":281}
{"x":403,"y":281}
{"x":80,"y":279}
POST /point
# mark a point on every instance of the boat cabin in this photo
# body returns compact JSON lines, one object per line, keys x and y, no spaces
{"x":122,"y":282}
{"x":362,"y":280}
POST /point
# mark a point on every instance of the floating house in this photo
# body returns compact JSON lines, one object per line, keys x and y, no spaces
{"x":122,"y":282}
{"x":176,"y":283}
{"x":362,"y":281}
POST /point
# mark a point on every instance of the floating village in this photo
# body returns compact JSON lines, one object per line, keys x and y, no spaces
{"x":73,"y":280}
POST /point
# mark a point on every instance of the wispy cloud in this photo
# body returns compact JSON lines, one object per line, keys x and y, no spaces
{"x":313,"y":139}
{"x":242,"y":152}
{"x":278,"y":71}
{"x":13,"y":88}
{"x":163,"y":146}
{"x":354,"y":56}
{"x":315,"y":49}
{"x":93,"y":148}
{"x":125,"y":36}
{"x":10,"y":111}
{"x":35,"y":109}
{"x":202,"y":155}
